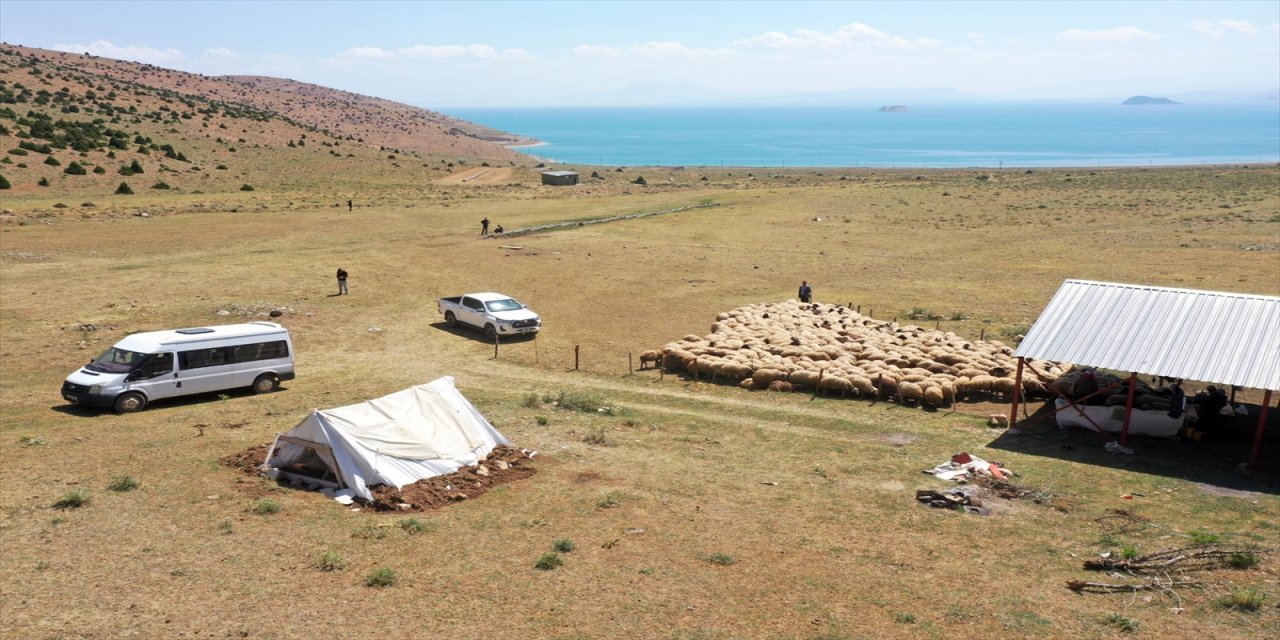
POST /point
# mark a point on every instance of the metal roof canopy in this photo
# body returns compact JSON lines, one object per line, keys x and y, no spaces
{"x":1211,"y":336}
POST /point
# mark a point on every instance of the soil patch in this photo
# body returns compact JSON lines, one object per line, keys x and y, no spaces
{"x":503,"y":465}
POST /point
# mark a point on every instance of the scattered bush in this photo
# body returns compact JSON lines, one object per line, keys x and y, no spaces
{"x":331,"y":561}
{"x":124,"y":483}
{"x":598,"y":436}
{"x":640,"y":180}
{"x":52,"y":161}
{"x":369,"y":532}
{"x":1204,"y":537}
{"x":1123,"y":623}
{"x":1247,"y":599}
{"x":73,"y":499}
{"x":75,"y":169}
{"x":542,"y":421}
{"x":722,"y":559}
{"x":549,"y":560}
{"x":266,"y":507}
{"x":246,"y":187}
{"x":609,"y":500}
{"x":160,"y":185}
{"x":1243,"y":560}
{"x":124,"y":189}
{"x":4,"y":183}
{"x":43,"y":182}
{"x":563,"y":545}
{"x":380,"y":577}
{"x":414,"y":526}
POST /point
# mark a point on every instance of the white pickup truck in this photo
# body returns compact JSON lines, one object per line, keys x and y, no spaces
{"x":496,"y":314}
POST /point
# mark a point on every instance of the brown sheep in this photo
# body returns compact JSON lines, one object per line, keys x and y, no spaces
{"x":910,"y":392}
{"x":650,"y":358}
{"x":780,"y":385}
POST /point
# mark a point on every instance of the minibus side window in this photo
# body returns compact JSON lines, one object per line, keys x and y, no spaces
{"x":260,"y":351}
{"x":199,"y":358}
{"x":154,"y":365}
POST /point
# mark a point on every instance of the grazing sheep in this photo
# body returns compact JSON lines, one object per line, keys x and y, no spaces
{"x":650,"y":358}
{"x":910,"y":392}
{"x":805,"y":378}
{"x":780,"y":385}
{"x":835,"y":383}
{"x":933,"y":396}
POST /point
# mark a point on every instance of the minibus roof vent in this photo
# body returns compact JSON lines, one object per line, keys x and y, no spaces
{"x":194,"y":330}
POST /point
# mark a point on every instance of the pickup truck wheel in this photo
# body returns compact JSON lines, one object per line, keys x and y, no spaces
{"x":450,"y":319}
{"x":130,"y":402}
{"x":266,"y":383}
{"x":490,"y":331}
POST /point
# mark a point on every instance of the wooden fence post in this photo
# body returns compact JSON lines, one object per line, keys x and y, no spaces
{"x":575,"y":357}
{"x":630,"y":370}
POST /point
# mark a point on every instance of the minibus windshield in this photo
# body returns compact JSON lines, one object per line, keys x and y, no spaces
{"x":115,"y":360}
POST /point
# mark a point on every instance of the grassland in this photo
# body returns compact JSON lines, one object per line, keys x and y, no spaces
{"x":696,"y":511}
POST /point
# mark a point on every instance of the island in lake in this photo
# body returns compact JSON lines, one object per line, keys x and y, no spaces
{"x":1148,"y":100}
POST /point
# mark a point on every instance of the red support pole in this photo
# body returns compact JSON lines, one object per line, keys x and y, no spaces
{"x":1128,"y":409}
{"x":1257,"y":437}
{"x":1017,"y":394}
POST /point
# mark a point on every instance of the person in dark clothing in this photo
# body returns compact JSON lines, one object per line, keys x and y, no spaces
{"x":484,"y":227}
{"x":350,"y":206}
{"x":806,"y":293}
{"x":342,"y":281}
{"x":497,"y":230}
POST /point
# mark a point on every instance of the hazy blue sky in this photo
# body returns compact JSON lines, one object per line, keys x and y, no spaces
{"x":474,"y":54}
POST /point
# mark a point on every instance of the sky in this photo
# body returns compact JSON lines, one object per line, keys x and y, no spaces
{"x":526,"y":54}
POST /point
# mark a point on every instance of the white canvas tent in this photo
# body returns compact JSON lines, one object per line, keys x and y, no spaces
{"x":398,"y":439}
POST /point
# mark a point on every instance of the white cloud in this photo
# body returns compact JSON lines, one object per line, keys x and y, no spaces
{"x":431,"y":52}
{"x":596,"y":51}
{"x":1115,"y":34}
{"x":158,"y":57}
{"x":853,"y":34}
{"x":221,"y":54}
{"x":1217,"y":29}
{"x":929,"y":42}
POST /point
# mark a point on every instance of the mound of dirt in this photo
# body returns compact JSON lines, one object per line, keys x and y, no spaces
{"x":504,"y":464}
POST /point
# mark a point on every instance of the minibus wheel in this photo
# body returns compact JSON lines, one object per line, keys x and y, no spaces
{"x":130,"y":402}
{"x":266,"y":383}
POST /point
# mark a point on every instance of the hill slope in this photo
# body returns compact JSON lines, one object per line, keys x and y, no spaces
{"x":58,"y":108}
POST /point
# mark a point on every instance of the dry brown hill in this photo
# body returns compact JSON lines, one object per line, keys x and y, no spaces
{"x":341,"y":115}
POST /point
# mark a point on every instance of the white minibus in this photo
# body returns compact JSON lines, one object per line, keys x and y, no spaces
{"x":144,"y":367}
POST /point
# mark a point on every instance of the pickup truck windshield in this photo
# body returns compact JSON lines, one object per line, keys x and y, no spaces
{"x":503,"y":305}
{"x":115,"y":360}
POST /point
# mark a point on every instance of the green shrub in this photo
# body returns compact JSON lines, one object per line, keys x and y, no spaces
{"x":380,"y":577}
{"x":598,"y":436}
{"x":1204,"y":537}
{"x":1123,"y":623}
{"x":4,"y":183}
{"x":75,"y":169}
{"x":160,"y":185}
{"x":266,"y":507}
{"x":1243,"y":560}
{"x":640,"y":180}
{"x":246,"y":187}
{"x":19,"y":152}
{"x":541,"y":420}
{"x":52,"y":161}
{"x":563,"y":545}
{"x":136,"y":167}
{"x":530,"y":400}
{"x":609,"y":500}
{"x":73,"y":499}
{"x":124,"y":483}
{"x":549,"y":560}
{"x":124,"y":189}
{"x":44,"y":182}
{"x":1248,"y":599}
{"x":369,"y":532}
{"x":331,"y":560}
{"x":414,"y":526}
{"x":722,"y":559}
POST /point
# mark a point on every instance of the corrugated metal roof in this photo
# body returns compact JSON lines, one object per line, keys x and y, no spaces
{"x":1211,"y":336}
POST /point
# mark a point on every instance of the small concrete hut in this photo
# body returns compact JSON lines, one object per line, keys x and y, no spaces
{"x":1210,"y":336}
{"x":560,"y":178}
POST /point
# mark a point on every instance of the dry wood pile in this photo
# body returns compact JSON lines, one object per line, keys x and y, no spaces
{"x":832,"y":349}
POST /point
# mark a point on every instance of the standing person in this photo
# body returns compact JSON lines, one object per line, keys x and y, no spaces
{"x":342,"y":281}
{"x":484,"y":227}
{"x":806,"y":293}
{"x":350,"y":206}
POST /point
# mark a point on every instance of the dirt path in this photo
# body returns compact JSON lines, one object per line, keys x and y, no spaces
{"x":478,"y":175}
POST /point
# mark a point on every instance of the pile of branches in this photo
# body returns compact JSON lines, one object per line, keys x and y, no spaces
{"x":1166,"y":569}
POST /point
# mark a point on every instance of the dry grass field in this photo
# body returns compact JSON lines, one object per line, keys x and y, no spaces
{"x":695,"y":510}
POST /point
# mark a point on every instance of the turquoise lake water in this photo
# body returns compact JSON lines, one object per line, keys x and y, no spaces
{"x":990,"y":135}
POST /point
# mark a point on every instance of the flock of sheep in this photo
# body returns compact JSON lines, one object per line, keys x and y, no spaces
{"x":826,"y":348}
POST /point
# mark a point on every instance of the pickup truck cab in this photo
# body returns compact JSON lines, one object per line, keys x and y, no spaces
{"x":494,"y":313}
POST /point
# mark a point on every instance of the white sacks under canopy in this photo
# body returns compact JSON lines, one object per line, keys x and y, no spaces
{"x":398,"y":439}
